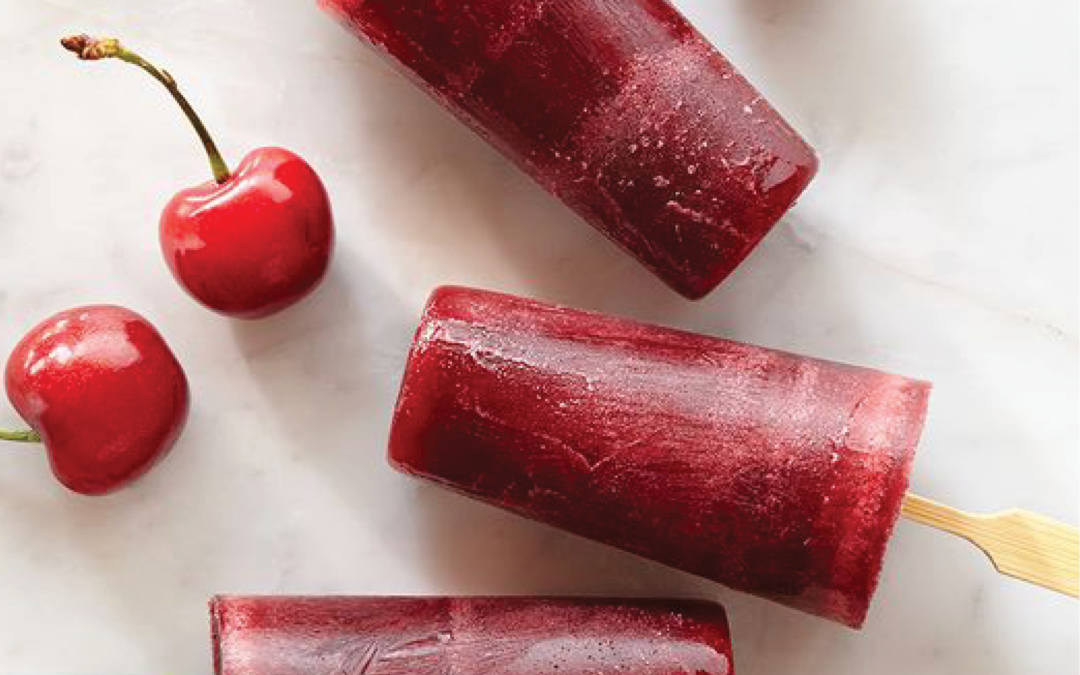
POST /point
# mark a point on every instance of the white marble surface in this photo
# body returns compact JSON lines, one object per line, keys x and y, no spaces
{"x":940,"y":241}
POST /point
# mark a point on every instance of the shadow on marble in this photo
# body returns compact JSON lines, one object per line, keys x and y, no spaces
{"x":114,"y":545}
{"x":330,"y":371}
{"x":333,"y":304}
{"x":475,"y":549}
{"x":860,"y":71}
{"x":329,"y":367}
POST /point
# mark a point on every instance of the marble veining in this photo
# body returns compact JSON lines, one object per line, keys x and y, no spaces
{"x":939,"y":241}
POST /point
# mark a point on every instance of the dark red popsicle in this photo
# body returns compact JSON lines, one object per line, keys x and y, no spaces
{"x":772,"y":473}
{"x":618,"y":107}
{"x":468,"y":636}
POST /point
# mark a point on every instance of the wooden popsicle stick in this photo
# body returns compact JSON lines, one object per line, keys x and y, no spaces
{"x":1019,"y":543}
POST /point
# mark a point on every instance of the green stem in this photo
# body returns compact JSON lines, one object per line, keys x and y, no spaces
{"x":20,"y":436}
{"x":93,"y":49}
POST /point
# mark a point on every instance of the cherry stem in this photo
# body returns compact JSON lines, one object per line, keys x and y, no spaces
{"x":20,"y":436}
{"x":94,"y":49}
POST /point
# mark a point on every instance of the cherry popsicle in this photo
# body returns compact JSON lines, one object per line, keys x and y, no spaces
{"x":771,"y":473}
{"x":103,"y":392}
{"x":473,"y":636}
{"x":621,"y":109}
{"x":247,"y":244}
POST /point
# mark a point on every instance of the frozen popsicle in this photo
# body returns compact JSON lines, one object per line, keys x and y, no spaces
{"x":468,"y":636}
{"x":771,"y":473}
{"x":618,"y":107}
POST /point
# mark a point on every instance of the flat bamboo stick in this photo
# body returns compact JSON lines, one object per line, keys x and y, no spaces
{"x":1019,"y":543}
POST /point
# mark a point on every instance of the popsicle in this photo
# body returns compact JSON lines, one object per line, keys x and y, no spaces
{"x":468,"y":636}
{"x":618,"y":107}
{"x":775,"y":474}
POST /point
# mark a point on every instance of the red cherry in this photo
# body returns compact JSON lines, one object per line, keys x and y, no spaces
{"x":99,"y":386}
{"x":248,"y":244}
{"x":256,"y":243}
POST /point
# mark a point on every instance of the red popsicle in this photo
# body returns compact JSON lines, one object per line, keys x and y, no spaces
{"x":468,"y":636}
{"x":772,"y":473}
{"x":618,"y":107}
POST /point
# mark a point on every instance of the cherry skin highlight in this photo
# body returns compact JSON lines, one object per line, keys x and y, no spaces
{"x":255,"y":244}
{"x":247,"y":244}
{"x":102,"y":390}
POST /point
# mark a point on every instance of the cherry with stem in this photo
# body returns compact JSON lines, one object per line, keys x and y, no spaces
{"x":255,"y":240}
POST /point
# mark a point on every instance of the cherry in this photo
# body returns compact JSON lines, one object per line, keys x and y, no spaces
{"x":101,"y":389}
{"x":247,"y":244}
